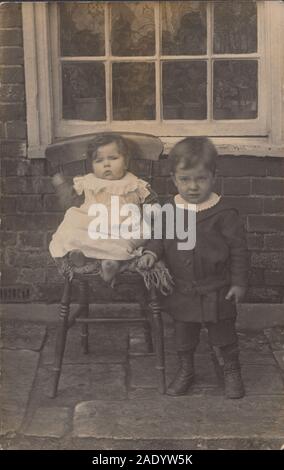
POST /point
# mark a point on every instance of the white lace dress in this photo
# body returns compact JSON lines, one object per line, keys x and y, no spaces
{"x":72,"y":233}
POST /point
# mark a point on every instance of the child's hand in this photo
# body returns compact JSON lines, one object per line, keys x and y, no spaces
{"x":146,"y":261}
{"x":236,"y":292}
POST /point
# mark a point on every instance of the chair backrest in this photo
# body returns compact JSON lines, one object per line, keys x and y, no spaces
{"x":69,"y":156}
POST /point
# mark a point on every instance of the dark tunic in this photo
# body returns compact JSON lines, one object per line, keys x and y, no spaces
{"x":204,"y":275}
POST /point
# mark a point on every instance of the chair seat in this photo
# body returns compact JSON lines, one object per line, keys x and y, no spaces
{"x":157,"y":277}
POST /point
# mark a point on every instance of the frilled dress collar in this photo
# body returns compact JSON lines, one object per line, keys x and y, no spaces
{"x":211,"y":202}
{"x":127,"y":184}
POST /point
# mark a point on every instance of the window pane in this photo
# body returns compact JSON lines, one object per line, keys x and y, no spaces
{"x":82,"y":29}
{"x":83,"y":92}
{"x":133,"y":91}
{"x":184,"y":89}
{"x":184,"y":28}
{"x":133,"y":29}
{"x":235,"y":89}
{"x":235,"y":27}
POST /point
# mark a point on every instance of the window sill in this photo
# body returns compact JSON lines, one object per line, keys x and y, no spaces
{"x":257,"y":147}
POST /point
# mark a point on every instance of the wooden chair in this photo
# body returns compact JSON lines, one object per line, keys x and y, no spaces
{"x":69,"y":158}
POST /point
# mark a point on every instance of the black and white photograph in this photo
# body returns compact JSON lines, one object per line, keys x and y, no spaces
{"x":142,"y":229}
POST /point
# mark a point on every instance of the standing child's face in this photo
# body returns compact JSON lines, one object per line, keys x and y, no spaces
{"x":109,"y":164}
{"x":194,"y":184}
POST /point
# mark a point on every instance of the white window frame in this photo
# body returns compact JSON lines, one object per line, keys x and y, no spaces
{"x":42,"y":91}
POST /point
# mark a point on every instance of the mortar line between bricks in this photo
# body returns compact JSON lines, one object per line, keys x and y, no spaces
{"x":262,"y":206}
{"x":13,"y":102}
{"x":11,"y":28}
{"x":19,"y":66}
{"x":127,"y":367}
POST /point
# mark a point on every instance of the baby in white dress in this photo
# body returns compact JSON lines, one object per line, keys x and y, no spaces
{"x":109,"y":155}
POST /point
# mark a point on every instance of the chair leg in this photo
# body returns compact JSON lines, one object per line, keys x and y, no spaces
{"x":84,"y":303}
{"x":159,"y":339}
{"x":61,"y":334}
{"x":148,"y":331}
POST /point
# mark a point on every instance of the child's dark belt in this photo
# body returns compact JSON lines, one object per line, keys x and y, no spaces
{"x":201,"y":286}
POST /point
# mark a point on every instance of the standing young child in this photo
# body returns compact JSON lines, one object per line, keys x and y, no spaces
{"x":109,"y":155}
{"x":209,"y":279}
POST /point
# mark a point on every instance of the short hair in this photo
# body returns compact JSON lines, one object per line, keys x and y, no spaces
{"x":193,"y":151}
{"x":108,"y":138}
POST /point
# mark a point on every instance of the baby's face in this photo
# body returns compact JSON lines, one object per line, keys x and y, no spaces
{"x":195,"y":184}
{"x":109,"y":163}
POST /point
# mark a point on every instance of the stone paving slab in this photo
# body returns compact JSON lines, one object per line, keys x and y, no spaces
{"x":11,"y":417}
{"x":249,"y":341}
{"x":48,"y":422}
{"x":143,"y":373}
{"x":252,"y":357}
{"x":70,"y":443}
{"x":80,"y":382}
{"x":115,"y":395}
{"x":262,"y":380}
{"x":135,"y":419}
{"x":259,"y":316}
{"x":250,"y":417}
{"x":181,"y":418}
{"x":137,"y":340}
{"x":19,"y":368}
{"x":107,"y":344}
{"x":279,"y":357}
{"x":21,"y":335}
{"x":18,"y":373}
{"x":253,"y":341}
{"x":275,"y":336}
{"x":153,"y":393}
{"x":137,"y":344}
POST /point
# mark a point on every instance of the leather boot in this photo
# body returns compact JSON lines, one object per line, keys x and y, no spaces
{"x":234,"y":387}
{"x":185,"y":375}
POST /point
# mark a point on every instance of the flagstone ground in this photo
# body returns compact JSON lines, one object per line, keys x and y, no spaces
{"x":108,"y":399}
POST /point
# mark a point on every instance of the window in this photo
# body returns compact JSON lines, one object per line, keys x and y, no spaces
{"x":172,"y":68}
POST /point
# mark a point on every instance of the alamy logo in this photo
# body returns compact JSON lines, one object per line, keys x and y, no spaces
{"x":153,"y":221}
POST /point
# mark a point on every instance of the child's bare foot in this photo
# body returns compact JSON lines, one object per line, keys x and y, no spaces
{"x":109,"y":270}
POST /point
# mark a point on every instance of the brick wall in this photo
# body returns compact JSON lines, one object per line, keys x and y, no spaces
{"x":29,"y":209}
{"x":12,"y":93}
